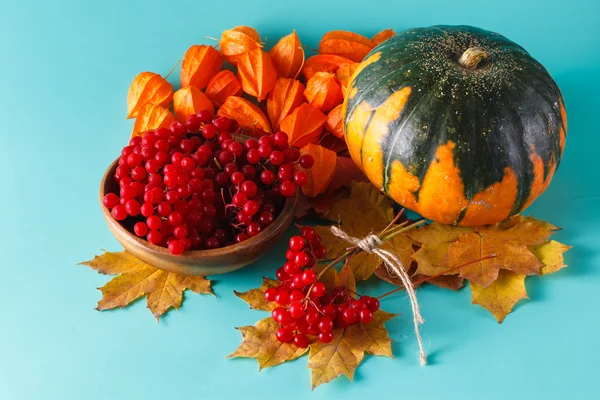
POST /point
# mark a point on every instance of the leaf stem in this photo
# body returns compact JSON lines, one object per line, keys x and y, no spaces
{"x":428,"y":278}
{"x":173,"y":69}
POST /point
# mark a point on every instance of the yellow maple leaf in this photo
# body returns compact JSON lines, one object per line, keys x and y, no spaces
{"x":256,"y":297}
{"x":342,"y":356}
{"x":163,"y":289}
{"x":366,"y":211}
{"x":435,"y":238}
{"x":508,"y":241}
{"x":333,"y":278}
{"x":551,"y":255}
{"x":501,"y":295}
{"x":259,"y":342}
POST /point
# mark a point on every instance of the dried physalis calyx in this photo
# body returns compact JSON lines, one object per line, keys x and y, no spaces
{"x":344,"y":74}
{"x":190,"y":101}
{"x":334,"y":123}
{"x":237,"y":41}
{"x":223,"y":85}
{"x":148,"y":87}
{"x":323,"y":63}
{"x":151,"y":116}
{"x":288,"y":56}
{"x":323,"y":91}
{"x":321,"y":172}
{"x":283,"y":99}
{"x":346,"y":44}
{"x":303,"y":125}
{"x":383,"y":36}
{"x":257,"y":73}
{"x":199,"y":65}
{"x":246,"y":114}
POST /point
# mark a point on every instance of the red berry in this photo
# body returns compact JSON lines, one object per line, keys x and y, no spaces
{"x":358,"y":304}
{"x":319,"y":289}
{"x":110,"y":200}
{"x":237,"y":178}
{"x":287,"y":188}
{"x":372,"y":303}
{"x":330,"y":310}
{"x":296,"y":243}
{"x":309,"y":277}
{"x":350,"y":315}
{"x":280,"y":273}
{"x":251,"y":207}
{"x":163,"y":209}
{"x":300,"y":178}
{"x":176,"y":247}
{"x":366,"y":316}
{"x":267,"y":177}
{"x":312,"y":317}
{"x":296,"y":310}
{"x":239,"y":199}
{"x":204,"y":116}
{"x":222,"y":123}
{"x":326,"y":324}
{"x":154,"y":237}
{"x":306,"y":161}
{"x":251,"y":144}
{"x":300,"y":340}
{"x":147,"y":209}
{"x":301,"y":259}
{"x":236,"y":148}
{"x":119,"y":212}
{"x":276,"y":157}
{"x":307,"y":232}
{"x":133,"y":208}
{"x":265,"y":150}
{"x":284,"y":335}
{"x":285,"y":172}
{"x":253,"y":156}
{"x":266,"y":218}
{"x":180,"y":231}
{"x":295,"y":295}
{"x":283,"y":297}
{"x":240,"y":237}
{"x":212,"y":243}
{"x":281,"y":139}
{"x":298,"y":282}
{"x":320,"y":252}
{"x":153,"y":222}
{"x":177,"y":128}
{"x":254,"y":228}
{"x":249,"y":188}
{"x":140,"y":229}
{"x":325,"y":337}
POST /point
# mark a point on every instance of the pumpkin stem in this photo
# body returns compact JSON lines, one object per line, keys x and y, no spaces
{"x":471,"y":58}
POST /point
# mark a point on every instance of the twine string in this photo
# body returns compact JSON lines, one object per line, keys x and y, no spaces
{"x":371,"y":244}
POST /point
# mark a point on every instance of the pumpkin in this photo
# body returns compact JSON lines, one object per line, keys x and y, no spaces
{"x":456,"y":123}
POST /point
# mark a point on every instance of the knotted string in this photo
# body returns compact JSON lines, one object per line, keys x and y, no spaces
{"x":371,"y":244}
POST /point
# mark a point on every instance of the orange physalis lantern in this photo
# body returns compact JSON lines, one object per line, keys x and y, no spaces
{"x":382,"y":36}
{"x":346,"y":44}
{"x":237,"y":41}
{"x":323,"y":91}
{"x":323,"y":63}
{"x":148,"y":87}
{"x":303,"y":125}
{"x":283,"y":99}
{"x":199,"y":65}
{"x":344,"y":73}
{"x":288,"y":56}
{"x":246,"y":113}
{"x":334,"y":124}
{"x":223,"y":85}
{"x":322,"y":172}
{"x":189,"y":101}
{"x":151,"y":116}
{"x":257,"y":73}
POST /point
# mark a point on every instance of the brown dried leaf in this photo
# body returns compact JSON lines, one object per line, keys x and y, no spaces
{"x":163,"y":289}
{"x":259,"y":342}
{"x":256,"y":297}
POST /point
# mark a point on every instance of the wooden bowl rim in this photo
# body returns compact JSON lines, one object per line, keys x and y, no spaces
{"x":264,"y":236}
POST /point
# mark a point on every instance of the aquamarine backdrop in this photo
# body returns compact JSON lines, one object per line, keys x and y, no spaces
{"x":65,"y":67}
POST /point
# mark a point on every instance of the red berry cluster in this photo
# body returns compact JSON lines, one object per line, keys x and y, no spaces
{"x":304,"y":306}
{"x":192,"y":186}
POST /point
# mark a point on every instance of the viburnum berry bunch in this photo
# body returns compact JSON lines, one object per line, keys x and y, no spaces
{"x":199,"y":186}
{"x":304,"y":306}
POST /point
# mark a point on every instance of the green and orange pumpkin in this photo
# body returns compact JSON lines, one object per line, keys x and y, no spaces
{"x":456,"y":123}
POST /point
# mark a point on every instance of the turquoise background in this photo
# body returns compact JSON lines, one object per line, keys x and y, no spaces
{"x":65,"y":67}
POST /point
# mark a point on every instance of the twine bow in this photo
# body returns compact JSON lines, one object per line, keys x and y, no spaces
{"x":371,"y":244}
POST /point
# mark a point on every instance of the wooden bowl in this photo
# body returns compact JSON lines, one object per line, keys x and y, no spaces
{"x":196,"y":262}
